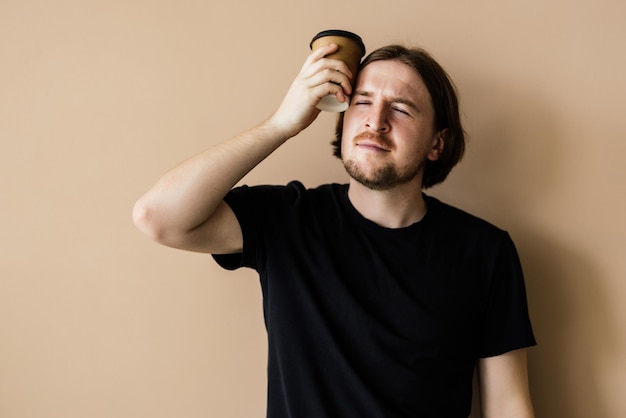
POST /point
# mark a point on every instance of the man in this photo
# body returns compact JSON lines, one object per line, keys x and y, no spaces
{"x":379,"y":300}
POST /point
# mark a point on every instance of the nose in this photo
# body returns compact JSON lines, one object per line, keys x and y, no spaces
{"x":377,"y":120}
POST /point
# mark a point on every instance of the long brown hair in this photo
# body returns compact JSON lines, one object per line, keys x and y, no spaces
{"x":445,"y":104}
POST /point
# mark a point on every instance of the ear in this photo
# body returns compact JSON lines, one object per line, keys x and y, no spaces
{"x":438,"y":145}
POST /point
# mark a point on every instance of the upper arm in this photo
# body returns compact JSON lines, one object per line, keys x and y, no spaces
{"x":503,"y":382}
{"x":220,"y":234}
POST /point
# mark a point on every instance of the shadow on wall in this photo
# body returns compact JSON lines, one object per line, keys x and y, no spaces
{"x":511,"y":163}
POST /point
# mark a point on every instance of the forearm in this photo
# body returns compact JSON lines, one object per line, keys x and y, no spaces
{"x":188,"y":195}
{"x":183,"y":208}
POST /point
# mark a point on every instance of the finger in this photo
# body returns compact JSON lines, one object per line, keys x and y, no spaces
{"x":314,"y":57}
{"x":322,"y":51}
{"x":329,"y":64}
{"x":339,"y":66}
{"x":338,"y":92}
{"x":331,"y":76}
{"x":345,"y":80}
{"x":316,"y":61}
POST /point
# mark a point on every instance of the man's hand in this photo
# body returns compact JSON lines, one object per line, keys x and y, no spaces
{"x":318,"y":77}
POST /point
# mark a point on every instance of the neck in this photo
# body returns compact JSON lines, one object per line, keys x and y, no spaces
{"x":395,"y":208}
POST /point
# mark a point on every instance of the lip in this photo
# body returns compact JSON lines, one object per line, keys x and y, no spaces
{"x":372,"y":145}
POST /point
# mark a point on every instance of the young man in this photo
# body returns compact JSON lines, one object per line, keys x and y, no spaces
{"x":379,"y":300}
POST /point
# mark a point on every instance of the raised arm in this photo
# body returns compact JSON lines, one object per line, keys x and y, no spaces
{"x":185,"y":208}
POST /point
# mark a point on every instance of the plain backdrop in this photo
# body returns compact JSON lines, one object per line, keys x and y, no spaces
{"x":98,"y":98}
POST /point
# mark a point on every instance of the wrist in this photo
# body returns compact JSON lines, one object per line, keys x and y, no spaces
{"x":277,"y":129}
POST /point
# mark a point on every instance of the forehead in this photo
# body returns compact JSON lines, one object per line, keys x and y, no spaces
{"x":392,"y":78}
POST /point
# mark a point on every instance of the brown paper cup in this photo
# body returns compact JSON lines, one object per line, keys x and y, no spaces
{"x":351,"y":50}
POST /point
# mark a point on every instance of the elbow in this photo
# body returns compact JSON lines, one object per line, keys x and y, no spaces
{"x":145,"y":220}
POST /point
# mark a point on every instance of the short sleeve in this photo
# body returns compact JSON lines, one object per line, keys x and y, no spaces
{"x":506,"y":322}
{"x":261,"y":212}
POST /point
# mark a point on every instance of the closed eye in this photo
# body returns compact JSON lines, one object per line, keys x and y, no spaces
{"x":361,"y":97}
{"x":400,"y":110}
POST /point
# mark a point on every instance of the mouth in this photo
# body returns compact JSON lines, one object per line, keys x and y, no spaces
{"x":372,"y":141}
{"x":372,"y":145}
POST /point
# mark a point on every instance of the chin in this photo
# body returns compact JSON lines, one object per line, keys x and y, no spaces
{"x":385,"y":177}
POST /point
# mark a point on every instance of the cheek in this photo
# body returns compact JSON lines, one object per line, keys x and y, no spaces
{"x":348,"y":119}
{"x":345,"y":151}
{"x":415,"y":150}
{"x":348,"y":132}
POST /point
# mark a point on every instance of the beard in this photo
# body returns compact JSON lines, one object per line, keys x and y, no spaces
{"x":386,"y":177}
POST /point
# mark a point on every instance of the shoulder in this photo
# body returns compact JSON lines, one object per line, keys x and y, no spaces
{"x":457,"y":223}
{"x":272,"y":199}
{"x":294,"y":189}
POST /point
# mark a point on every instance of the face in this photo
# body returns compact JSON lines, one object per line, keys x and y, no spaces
{"x":388,"y":130}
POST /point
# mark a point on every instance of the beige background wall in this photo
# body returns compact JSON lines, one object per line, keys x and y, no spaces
{"x":100,"y":97}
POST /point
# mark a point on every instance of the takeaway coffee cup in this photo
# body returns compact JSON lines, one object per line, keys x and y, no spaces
{"x":351,"y":50}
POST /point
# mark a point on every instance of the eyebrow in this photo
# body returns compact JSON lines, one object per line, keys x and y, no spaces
{"x":400,"y":100}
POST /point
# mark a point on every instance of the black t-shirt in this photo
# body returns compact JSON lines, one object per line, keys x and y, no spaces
{"x":366,"y":321}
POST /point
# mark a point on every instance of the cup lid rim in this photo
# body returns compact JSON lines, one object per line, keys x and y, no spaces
{"x":339,"y":32}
